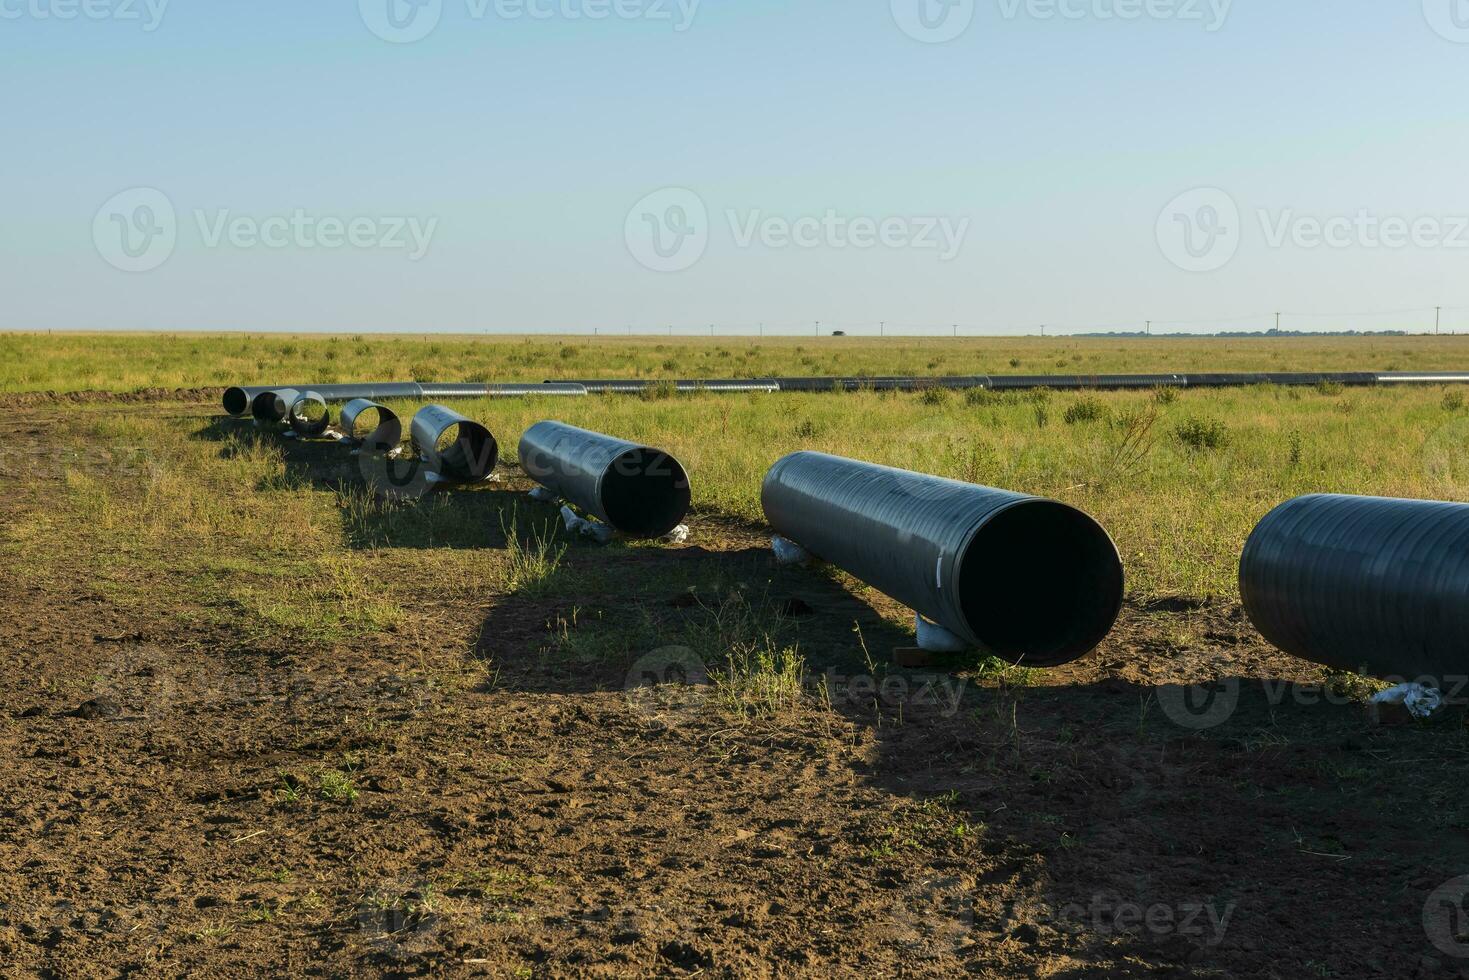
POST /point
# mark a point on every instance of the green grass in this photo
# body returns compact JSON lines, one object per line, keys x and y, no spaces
{"x":125,"y":362}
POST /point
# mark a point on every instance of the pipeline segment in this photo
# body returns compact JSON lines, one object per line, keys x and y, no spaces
{"x":308,"y":415}
{"x":238,"y":400}
{"x":640,"y":491}
{"x":1028,"y":580}
{"x":386,"y":430}
{"x":272,"y":405}
{"x":456,"y":448}
{"x":1366,"y":584}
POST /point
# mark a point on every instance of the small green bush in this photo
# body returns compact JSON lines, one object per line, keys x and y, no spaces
{"x":1085,"y":409}
{"x":1202,"y":433}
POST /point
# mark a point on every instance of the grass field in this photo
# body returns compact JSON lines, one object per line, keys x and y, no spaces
{"x":127,"y":362}
{"x":314,"y":710}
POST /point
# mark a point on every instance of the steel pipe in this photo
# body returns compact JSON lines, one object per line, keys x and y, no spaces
{"x":1365,"y":584}
{"x":641,"y":491}
{"x":308,"y":415}
{"x":386,"y":430}
{"x":458,"y":449}
{"x":271,"y":406}
{"x":1028,"y":580}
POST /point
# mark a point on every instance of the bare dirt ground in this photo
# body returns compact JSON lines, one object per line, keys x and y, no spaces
{"x":505,"y":812}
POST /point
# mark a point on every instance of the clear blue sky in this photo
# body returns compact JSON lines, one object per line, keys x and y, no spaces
{"x":524,"y":143}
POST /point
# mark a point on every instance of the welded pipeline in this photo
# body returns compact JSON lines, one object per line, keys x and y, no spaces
{"x":308,"y":415}
{"x":386,"y":431}
{"x":238,"y":400}
{"x":1028,"y":580}
{"x":456,"y":448}
{"x":1365,"y":584}
{"x":641,"y":491}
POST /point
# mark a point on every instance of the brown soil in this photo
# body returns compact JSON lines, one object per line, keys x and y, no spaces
{"x":161,"y":810}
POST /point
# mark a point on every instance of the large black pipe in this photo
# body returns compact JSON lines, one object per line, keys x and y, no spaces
{"x":1365,"y":584}
{"x":1029,"y":580}
{"x":641,"y":491}
{"x":457,"y":448}
{"x":386,"y":431}
{"x":273,"y":404}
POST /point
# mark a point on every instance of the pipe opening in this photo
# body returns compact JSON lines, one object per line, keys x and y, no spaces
{"x":269,"y":406}
{"x":309,"y":416}
{"x":467,"y":452}
{"x":376,"y":428}
{"x":1042,"y":584}
{"x":236,"y":401}
{"x":645,"y":493}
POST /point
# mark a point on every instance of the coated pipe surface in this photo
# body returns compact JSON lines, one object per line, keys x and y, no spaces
{"x":641,"y":491}
{"x":457,"y":448}
{"x":272,"y":405}
{"x":1366,"y":584}
{"x":1029,"y":580}
{"x":385,"y":435}
{"x":308,"y":426}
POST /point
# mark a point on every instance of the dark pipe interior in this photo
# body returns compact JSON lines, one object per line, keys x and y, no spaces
{"x":645,"y":493}
{"x":236,"y":402}
{"x":467,"y":452}
{"x":268,"y":407}
{"x":1042,"y":584}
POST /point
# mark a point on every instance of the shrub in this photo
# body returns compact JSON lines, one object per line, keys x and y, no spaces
{"x":567,"y":353}
{"x":658,"y":391}
{"x":1453,"y":401}
{"x":934,"y":396}
{"x":977,"y":396}
{"x":1330,"y":388}
{"x":1165,"y":396}
{"x":1085,"y":409}
{"x":1202,"y":433}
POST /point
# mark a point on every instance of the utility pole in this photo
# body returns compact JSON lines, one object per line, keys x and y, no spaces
{"x":818,"y":328}
{"x":762,"y":329}
{"x":1437,"y":316}
{"x":956,"y":330}
{"x":1043,"y":329}
{"x":1277,"y":323}
{"x":882,"y":329}
{"x":711,"y":329}
{"x":1148,"y":330}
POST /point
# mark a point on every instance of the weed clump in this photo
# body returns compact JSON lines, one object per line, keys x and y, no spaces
{"x":1085,"y":409}
{"x":934,"y":396}
{"x":1202,"y":433}
{"x":1453,"y":401}
{"x":1165,"y":396}
{"x":659,"y":391}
